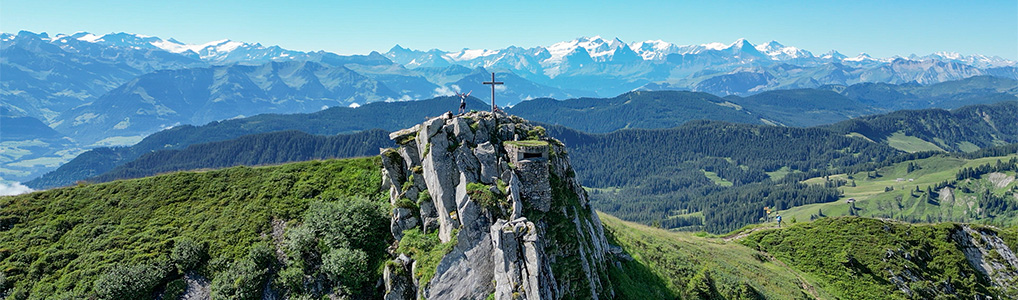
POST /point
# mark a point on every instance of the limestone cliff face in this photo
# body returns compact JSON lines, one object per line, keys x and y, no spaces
{"x":505,"y":195}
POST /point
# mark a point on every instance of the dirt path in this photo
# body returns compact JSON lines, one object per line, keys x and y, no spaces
{"x":746,"y":233}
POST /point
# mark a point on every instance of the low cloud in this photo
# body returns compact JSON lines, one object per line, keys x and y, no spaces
{"x":451,"y":90}
{"x":15,"y":188}
{"x":403,"y":98}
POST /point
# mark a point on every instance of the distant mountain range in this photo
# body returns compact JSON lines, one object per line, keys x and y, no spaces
{"x":115,"y":89}
{"x":45,"y":75}
{"x":961,"y":130}
{"x":170,"y":98}
{"x":611,"y":66}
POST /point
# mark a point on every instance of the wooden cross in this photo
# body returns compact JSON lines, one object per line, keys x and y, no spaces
{"x":493,"y":83}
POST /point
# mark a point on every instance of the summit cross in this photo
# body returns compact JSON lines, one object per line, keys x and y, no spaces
{"x":493,"y":83}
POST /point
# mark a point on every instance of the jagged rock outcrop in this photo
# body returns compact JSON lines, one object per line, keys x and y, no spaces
{"x":398,"y":283}
{"x":988,"y":254}
{"x":502,"y":196}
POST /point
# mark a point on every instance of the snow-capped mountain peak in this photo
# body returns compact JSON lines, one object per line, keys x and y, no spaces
{"x":777,"y":51}
{"x":172,"y":46}
{"x":654,"y":49}
{"x":598,"y":48}
{"x":739,"y":46}
{"x":741,"y":43}
{"x":833,"y":55}
{"x":980,"y":61}
{"x":948,"y":55}
{"x":715,"y":46}
{"x":469,"y":54}
{"x":861,"y":57}
{"x":219,"y":51}
{"x":86,"y":37}
{"x":221,"y":46}
{"x":768,"y":46}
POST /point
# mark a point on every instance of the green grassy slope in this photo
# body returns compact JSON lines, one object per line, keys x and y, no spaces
{"x":860,"y":258}
{"x":669,"y":264}
{"x":892,"y":193}
{"x":85,"y":241}
{"x":57,"y":244}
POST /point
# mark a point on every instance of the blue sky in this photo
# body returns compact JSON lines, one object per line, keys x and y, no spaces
{"x":880,"y":28}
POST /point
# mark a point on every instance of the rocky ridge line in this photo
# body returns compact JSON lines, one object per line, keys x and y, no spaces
{"x":505,"y":194}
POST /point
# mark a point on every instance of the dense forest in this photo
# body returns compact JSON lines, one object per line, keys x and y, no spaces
{"x":660,"y":176}
{"x":803,"y":107}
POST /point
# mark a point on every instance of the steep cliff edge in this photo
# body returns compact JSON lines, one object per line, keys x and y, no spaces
{"x":487,"y":205}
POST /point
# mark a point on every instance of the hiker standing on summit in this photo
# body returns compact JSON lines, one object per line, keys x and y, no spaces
{"x":463,"y":101}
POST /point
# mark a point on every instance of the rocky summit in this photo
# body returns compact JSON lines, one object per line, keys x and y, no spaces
{"x":486,"y":205}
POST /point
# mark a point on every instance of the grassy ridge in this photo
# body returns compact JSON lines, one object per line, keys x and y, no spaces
{"x":680,"y":264}
{"x":861,"y":258}
{"x":55,"y":244}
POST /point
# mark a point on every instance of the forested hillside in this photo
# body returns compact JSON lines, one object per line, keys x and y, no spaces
{"x":949,"y":94}
{"x":804,"y":107}
{"x":966,"y":129}
{"x":714,"y":176}
{"x":253,"y":150}
{"x":791,"y":107}
{"x":641,"y":109}
{"x":306,"y":228}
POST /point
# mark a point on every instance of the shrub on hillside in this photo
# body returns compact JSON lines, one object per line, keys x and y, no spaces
{"x":189,"y":254}
{"x":129,"y":282}
{"x":354,"y":223}
{"x":345,"y":267}
{"x":244,"y":279}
